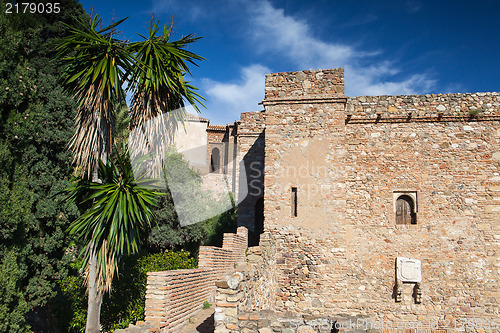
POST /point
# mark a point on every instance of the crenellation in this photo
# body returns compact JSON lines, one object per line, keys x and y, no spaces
{"x":296,"y":85}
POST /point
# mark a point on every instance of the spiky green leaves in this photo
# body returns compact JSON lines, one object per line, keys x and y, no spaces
{"x":159,"y":90}
{"x":119,"y":209}
{"x":96,"y":64}
{"x":157,"y":80}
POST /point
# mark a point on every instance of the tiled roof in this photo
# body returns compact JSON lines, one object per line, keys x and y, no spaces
{"x":216,"y":128}
{"x":193,"y":117}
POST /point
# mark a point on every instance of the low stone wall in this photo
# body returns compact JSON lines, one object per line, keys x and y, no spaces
{"x":172,"y":297}
{"x":261,"y":280}
{"x":245,"y":297}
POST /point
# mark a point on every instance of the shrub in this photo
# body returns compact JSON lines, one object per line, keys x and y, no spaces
{"x":125,"y":304}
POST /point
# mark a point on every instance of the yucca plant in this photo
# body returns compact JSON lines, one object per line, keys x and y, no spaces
{"x":120,"y":208}
{"x":159,"y":90}
{"x":95,"y":66}
{"x":98,"y":66}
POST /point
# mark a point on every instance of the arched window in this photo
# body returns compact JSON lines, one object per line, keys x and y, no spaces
{"x":405,"y":210}
{"x":215,"y":160}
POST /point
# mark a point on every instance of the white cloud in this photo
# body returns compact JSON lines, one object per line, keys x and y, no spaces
{"x":358,"y":83}
{"x":275,"y":32}
{"x":242,"y":95}
{"x":288,"y":37}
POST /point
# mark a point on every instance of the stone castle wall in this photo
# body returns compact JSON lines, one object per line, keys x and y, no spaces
{"x":453,"y":167}
{"x":251,"y":143}
{"x":431,"y":105}
{"x":349,"y":159}
{"x":334,"y":169}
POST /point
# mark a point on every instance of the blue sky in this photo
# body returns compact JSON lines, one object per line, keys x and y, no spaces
{"x":387,"y":47}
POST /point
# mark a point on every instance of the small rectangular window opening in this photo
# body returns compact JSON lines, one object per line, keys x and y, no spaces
{"x":294,"y":202}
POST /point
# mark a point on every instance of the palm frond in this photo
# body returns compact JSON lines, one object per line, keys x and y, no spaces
{"x":121,"y":209}
{"x":160,"y":91}
{"x":96,"y":65}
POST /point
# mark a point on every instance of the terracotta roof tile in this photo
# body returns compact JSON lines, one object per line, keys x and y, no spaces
{"x":216,"y":128}
{"x":193,"y":117}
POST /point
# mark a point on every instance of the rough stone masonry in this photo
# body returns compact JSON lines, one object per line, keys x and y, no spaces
{"x":352,"y":183}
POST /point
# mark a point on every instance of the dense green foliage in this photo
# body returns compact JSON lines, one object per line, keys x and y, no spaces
{"x":125,"y":304}
{"x":35,"y":126}
{"x":121,"y":209}
{"x":70,"y":305}
{"x":169,"y":234}
{"x":39,"y":277}
{"x":13,"y":306}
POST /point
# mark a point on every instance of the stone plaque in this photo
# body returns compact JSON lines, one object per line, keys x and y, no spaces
{"x":408,"y":270}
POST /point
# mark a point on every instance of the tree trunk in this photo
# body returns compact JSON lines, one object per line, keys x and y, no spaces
{"x":95,"y":294}
{"x":95,"y":297}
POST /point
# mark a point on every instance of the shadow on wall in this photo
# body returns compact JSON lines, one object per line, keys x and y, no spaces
{"x":251,"y":208}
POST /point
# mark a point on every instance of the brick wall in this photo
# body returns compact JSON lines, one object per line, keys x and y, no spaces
{"x":237,"y":243}
{"x":172,"y":297}
{"x":222,"y":260}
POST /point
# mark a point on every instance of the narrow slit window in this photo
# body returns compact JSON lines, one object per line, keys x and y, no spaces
{"x":294,"y":202}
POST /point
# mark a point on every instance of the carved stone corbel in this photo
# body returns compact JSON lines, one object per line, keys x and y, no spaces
{"x":399,"y":291}
{"x":417,"y":293}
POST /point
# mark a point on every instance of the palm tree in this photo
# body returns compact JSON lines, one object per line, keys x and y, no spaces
{"x":119,"y":203}
{"x":159,"y":91}
{"x":97,"y":66}
{"x":120,"y":210}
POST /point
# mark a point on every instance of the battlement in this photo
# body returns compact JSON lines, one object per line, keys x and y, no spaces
{"x":313,"y":83}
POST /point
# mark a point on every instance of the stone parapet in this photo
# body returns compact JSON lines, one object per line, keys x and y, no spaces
{"x":474,"y":105}
{"x":319,"y":83}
